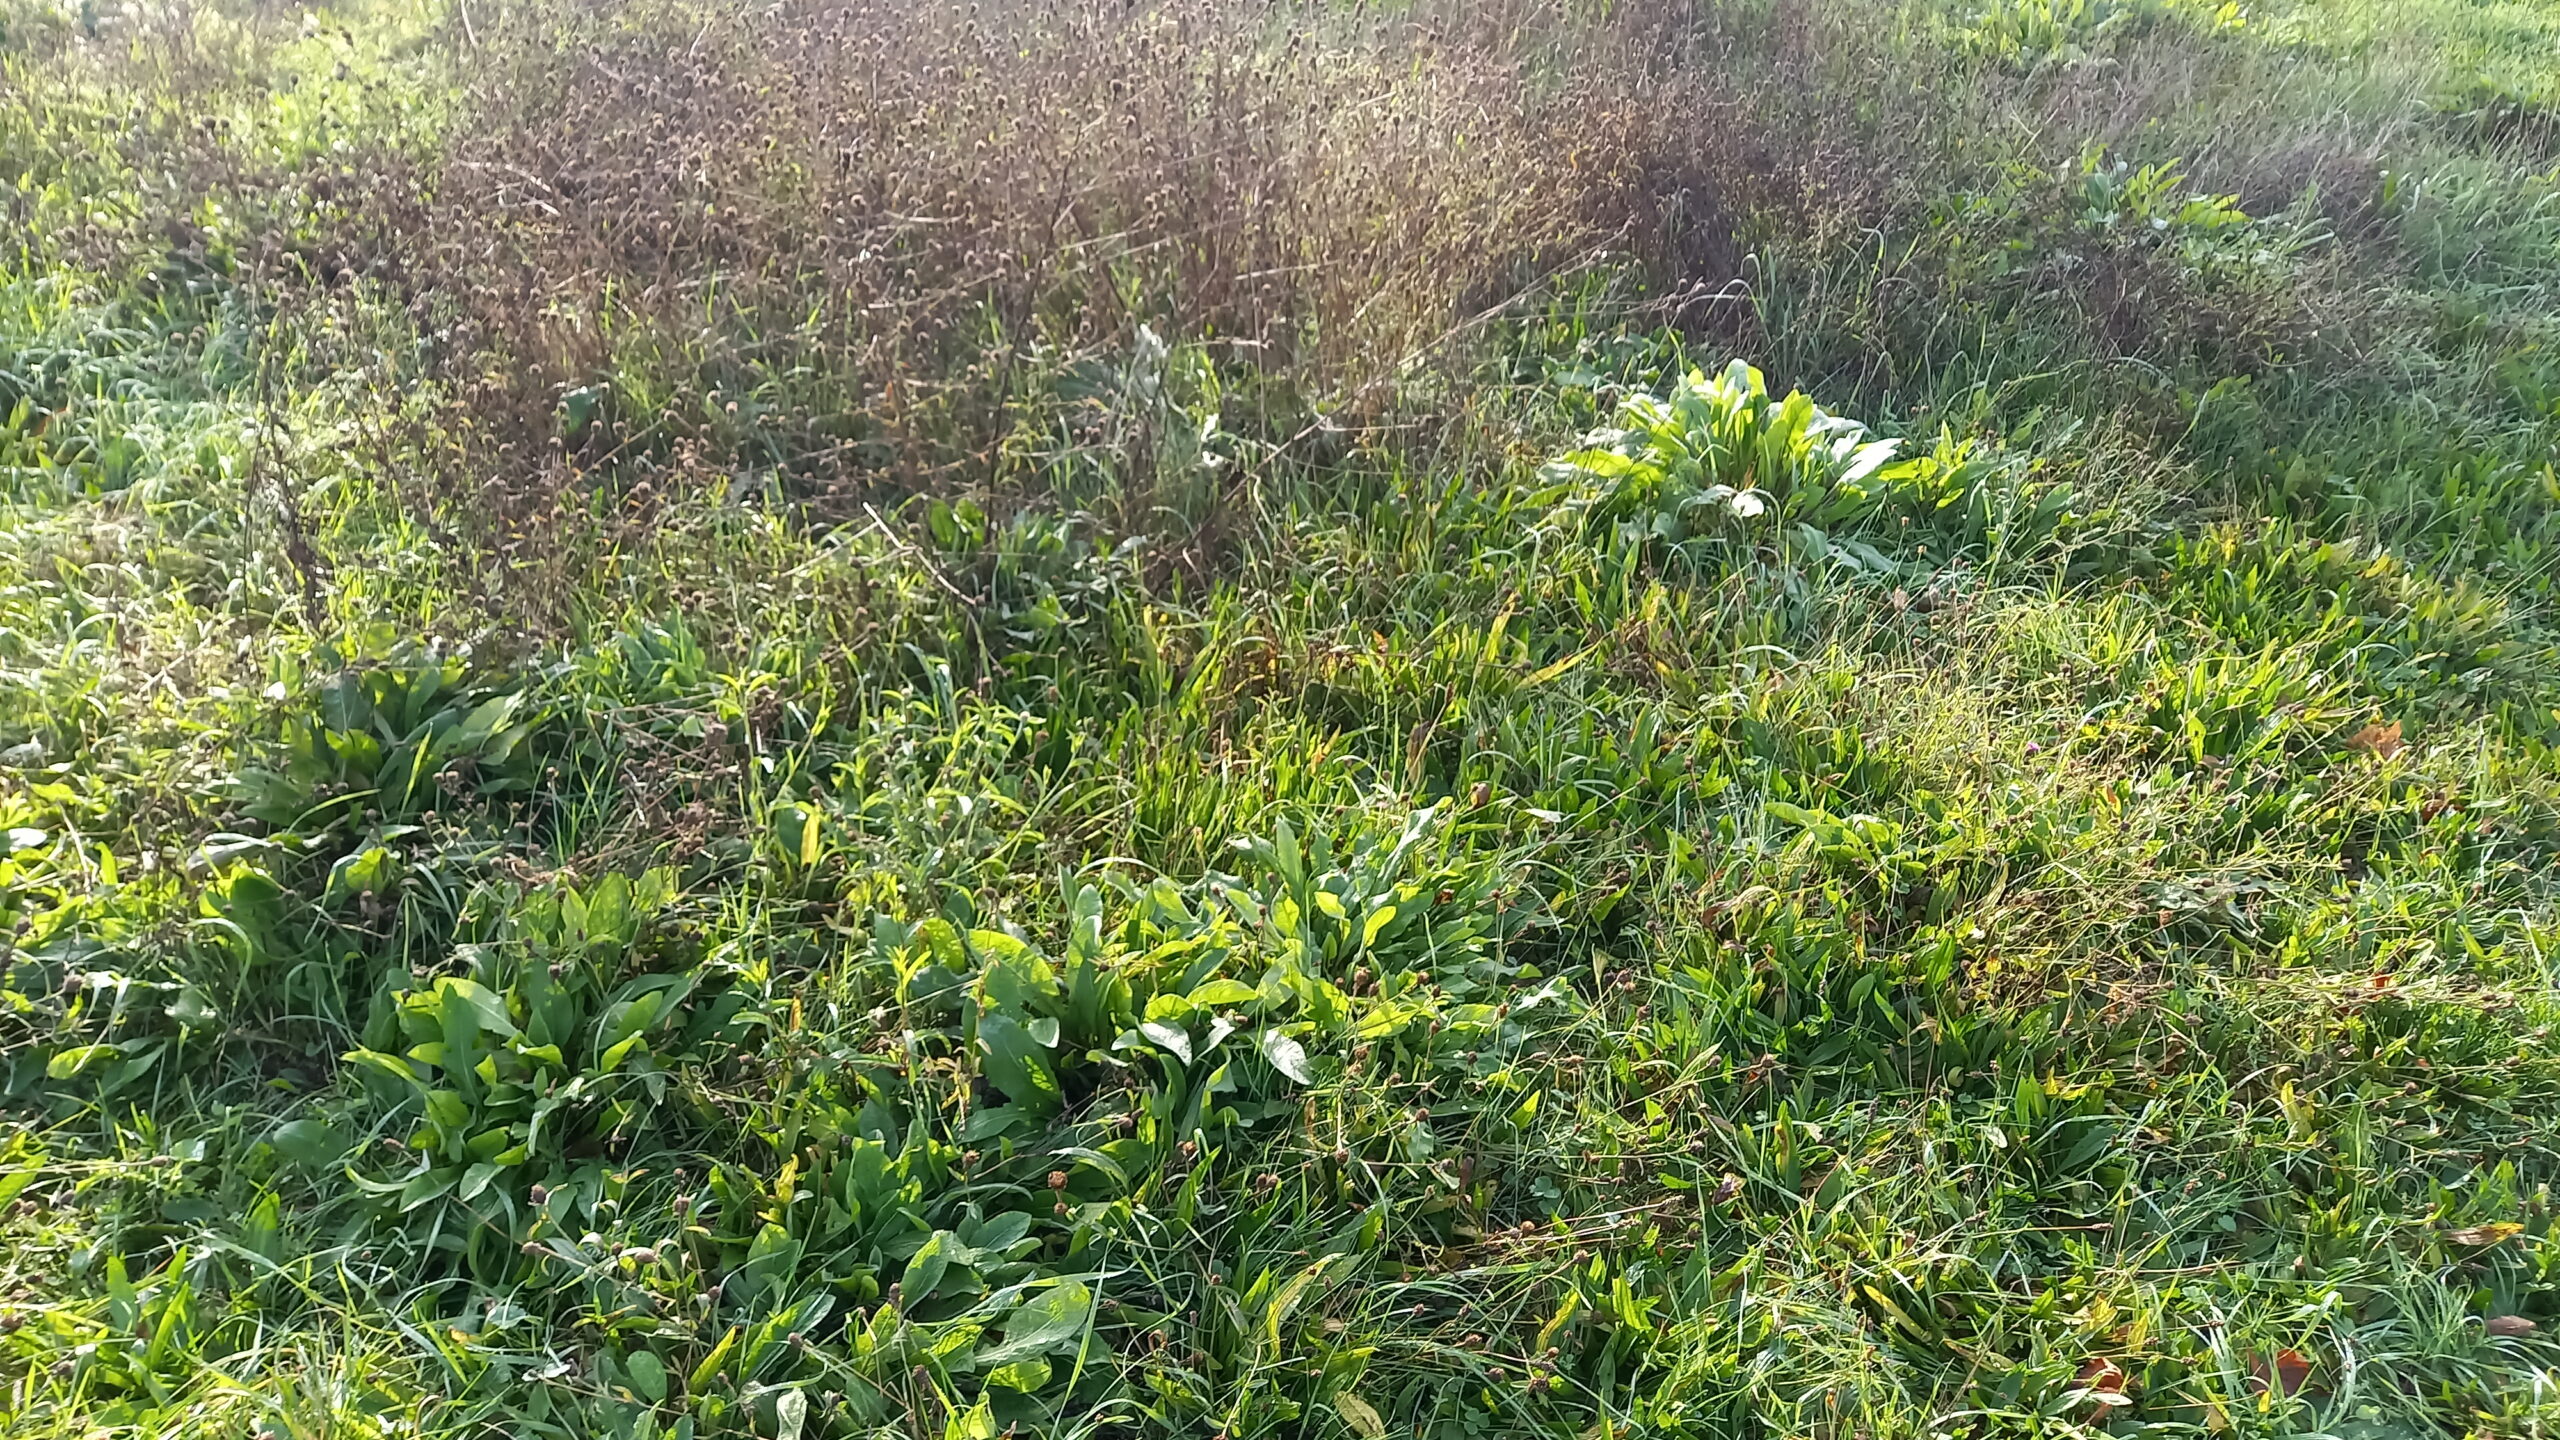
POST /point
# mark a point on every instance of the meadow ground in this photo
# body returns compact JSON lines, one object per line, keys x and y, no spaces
{"x":1190,"y":717}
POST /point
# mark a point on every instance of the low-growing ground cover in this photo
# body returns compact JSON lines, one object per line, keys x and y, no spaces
{"x":847,"y":720}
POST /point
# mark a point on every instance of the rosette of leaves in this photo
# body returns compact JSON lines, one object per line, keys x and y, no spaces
{"x":554,"y":1044}
{"x":1711,"y":456}
{"x":1196,"y":1007}
{"x":839,"y":1216}
{"x":1716,"y":462}
{"x":371,"y":747}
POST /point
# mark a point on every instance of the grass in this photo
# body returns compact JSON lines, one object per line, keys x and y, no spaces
{"x":1196,"y":720}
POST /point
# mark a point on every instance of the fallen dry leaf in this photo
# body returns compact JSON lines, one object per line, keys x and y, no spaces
{"x":2490,"y":1234}
{"x":2511,"y":1327}
{"x":2287,"y":1376}
{"x":2380,"y":741}
{"x":2104,"y":1380}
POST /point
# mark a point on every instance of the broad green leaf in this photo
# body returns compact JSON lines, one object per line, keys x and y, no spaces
{"x":488,"y":1008}
{"x":611,"y":1060}
{"x":608,"y":916}
{"x":1025,"y":1375}
{"x":1286,"y":1056}
{"x":192,"y":1010}
{"x":1017,"y":1063}
{"x":67,"y":1064}
{"x":311,"y":1144}
{"x":626,"y":1018}
{"x":1379,"y":919}
{"x":428,"y":1185}
{"x":925,"y":1268}
{"x":997,"y":1232}
{"x":371,"y":870}
{"x":476,"y":728}
{"x":648,"y":1375}
{"x":988,"y":1121}
{"x":1223,"y":992}
{"x":1017,"y":979}
{"x":1171,"y":1037}
{"x":1054,"y":1320}
{"x":1098,"y":1160}
{"x":19,"y":1176}
{"x":1796,"y":815}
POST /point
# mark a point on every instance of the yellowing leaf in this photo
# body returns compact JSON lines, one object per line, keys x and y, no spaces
{"x":709,"y":1370}
{"x":1379,"y":919}
{"x":1025,"y":1375}
{"x":1287,"y":1299}
{"x":1362,"y":1417}
{"x":1901,"y":1316}
{"x":1545,"y":673}
{"x":2494,"y":1233}
{"x":1564,"y":1315}
{"x":2298,"y":1114}
{"x":68,"y":1063}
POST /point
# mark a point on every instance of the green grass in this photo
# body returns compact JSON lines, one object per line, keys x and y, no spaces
{"x":653,"y":791}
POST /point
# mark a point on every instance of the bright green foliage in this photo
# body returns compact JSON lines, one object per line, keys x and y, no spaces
{"x":2028,"y":34}
{"x":1021,"y":827}
{"x":543,"y":1050}
{"x":1722,"y":460}
{"x":1723,"y":450}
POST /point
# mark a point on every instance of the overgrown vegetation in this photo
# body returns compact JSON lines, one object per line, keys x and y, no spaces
{"x":1194,"y":718}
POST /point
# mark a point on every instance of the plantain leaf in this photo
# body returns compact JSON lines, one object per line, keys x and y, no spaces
{"x":1286,"y":1056}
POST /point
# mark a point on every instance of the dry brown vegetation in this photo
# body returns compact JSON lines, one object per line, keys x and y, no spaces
{"x":874,"y":246}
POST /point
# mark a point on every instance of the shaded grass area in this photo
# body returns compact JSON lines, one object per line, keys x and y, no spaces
{"x":862,"y":721}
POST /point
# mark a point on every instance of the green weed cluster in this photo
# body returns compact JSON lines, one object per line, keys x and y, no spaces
{"x":854,"y":720}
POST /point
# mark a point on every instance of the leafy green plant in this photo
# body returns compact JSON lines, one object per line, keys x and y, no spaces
{"x":389,"y":737}
{"x":546,"y":1048}
{"x":1715,"y":461}
{"x":2032,"y":34}
{"x":1029,"y":814}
